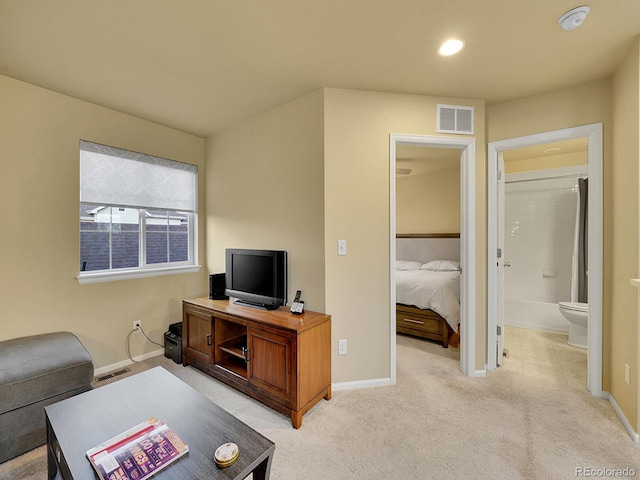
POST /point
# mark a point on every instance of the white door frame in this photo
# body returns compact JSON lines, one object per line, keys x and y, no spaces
{"x":593,"y":133}
{"x":467,"y":147}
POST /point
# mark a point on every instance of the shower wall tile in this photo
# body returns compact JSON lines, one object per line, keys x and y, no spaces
{"x":540,"y":220}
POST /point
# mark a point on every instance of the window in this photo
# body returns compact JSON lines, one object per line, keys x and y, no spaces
{"x":137,"y":214}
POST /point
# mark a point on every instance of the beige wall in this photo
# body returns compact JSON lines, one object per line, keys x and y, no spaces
{"x":555,"y":110}
{"x":429,"y":203}
{"x":611,"y":101}
{"x":265,"y":189}
{"x":621,"y":231}
{"x":615,"y":102}
{"x":335,"y":143}
{"x":39,"y":193}
{"x":357,"y":129}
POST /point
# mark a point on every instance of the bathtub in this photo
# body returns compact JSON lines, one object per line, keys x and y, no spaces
{"x":535,"y":315}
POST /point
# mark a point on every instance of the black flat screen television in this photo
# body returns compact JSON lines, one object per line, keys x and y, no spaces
{"x":257,"y":278}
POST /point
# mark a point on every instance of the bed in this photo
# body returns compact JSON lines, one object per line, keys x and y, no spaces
{"x":428,"y":287}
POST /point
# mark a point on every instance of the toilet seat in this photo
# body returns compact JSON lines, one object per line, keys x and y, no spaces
{"x":575,"y":306}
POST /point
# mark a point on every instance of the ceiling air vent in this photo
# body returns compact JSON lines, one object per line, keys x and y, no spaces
{"x":455,"y":119}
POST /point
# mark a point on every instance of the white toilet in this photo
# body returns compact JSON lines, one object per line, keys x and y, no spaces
{"x":578,"y":316}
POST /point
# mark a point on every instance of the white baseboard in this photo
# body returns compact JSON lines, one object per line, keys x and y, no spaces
{"x":634,"y":435}
{"x":382,"y":382}
{"x":375,"y":382}
{"x":124,"y":363}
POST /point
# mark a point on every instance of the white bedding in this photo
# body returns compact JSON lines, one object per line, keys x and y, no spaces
{"x":438,"y":291}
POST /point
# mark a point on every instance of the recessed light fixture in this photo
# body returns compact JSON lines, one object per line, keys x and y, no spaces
{"x":574,"y":18}
{"x":450,"y":47}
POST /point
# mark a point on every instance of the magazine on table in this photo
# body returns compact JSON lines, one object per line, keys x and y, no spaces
{"x":137,"y":453}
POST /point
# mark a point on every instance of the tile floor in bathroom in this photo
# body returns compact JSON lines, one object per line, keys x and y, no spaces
{"x":545,"y":355}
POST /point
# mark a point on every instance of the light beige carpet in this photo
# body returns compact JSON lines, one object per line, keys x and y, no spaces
{"x":435,"y":423}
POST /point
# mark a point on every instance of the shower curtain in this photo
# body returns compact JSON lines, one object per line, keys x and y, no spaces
{"x":582,"y":240}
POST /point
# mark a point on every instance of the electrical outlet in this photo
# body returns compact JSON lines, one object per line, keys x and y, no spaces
{"x":626,"y":373}
{"x":342,"y":347}
{"x":137,"y":325}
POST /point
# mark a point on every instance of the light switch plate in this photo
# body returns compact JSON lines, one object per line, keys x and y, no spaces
{"x":342,"y":247}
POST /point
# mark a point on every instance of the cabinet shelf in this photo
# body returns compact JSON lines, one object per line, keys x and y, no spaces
{"x":236,"y":346}
{"x":234,"y":365}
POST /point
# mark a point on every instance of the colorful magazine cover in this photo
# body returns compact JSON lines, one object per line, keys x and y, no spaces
{"x":137,"y":453}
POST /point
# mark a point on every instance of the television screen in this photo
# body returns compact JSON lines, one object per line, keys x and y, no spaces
{"x":257,"y":278}
{"x":253,"y":273}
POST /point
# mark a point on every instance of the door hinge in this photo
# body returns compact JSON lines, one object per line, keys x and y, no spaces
{"x":499,"y":330}
{"x":499,"y":253}
{"x":499,"y":175}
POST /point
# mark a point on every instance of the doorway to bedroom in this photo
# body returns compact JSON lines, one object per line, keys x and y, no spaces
{"x":428,"y":245}
{"x":432,"y":228}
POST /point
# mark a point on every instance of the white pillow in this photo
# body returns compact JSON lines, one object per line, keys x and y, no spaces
{"x":407,"y":265}
{"x":441,"y":266}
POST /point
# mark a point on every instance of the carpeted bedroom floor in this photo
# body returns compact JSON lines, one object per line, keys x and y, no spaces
{"x":435,"y":423}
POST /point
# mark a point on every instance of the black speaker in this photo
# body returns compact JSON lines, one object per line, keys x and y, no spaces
{"x":217,"y":286}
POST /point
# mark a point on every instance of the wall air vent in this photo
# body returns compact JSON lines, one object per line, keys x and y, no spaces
{"x":455,"y":119}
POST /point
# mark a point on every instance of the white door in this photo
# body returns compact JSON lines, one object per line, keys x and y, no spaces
{"x":501,"y":263}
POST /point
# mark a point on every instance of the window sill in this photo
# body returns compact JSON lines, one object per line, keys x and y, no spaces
{"x":88,"y":277}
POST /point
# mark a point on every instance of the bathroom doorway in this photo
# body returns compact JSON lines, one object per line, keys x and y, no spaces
{"x":593,"y":136}
{"x":542,"y":253}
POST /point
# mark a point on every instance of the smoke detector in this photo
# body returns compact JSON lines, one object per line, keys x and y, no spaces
{"x":574,"y":18}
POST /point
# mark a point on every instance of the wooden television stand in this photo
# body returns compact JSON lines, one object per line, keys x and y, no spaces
{"x":281,"y":359}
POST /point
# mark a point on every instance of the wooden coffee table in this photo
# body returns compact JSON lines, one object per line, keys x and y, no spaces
{"x":79,"y":423}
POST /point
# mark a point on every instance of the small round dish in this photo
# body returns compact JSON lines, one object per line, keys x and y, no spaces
{"x":226,"y":454}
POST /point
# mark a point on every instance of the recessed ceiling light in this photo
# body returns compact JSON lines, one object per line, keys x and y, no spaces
{"x":450,"y":47}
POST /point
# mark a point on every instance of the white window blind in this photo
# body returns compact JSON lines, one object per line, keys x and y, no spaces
{"x":113,"y":176}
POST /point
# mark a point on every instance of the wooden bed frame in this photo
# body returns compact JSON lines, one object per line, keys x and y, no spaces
{"x":411,"y":320}
{"x":427,"y":324}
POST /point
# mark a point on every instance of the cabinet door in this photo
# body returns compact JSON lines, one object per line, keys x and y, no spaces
{"x":270,"y":363}
{"x":198,"y":334}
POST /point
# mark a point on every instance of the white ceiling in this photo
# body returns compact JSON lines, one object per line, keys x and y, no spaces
{"x":201,"y":65}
